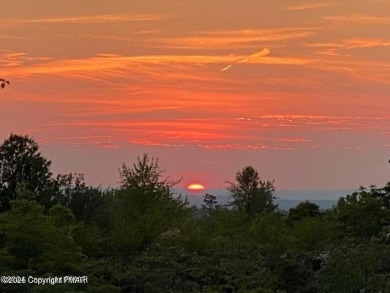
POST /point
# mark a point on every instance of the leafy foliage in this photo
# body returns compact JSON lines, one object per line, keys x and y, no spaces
{"x":32,"y":239}
{"x":146,"y":175}
{"x":303,"y":210}
{"x":363,"y":213}
{"x":90,"y":205}
{"x":144,"y":207}
{"x":3,"y":83}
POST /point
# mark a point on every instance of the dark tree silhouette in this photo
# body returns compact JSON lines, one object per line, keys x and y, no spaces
{"x":252,"y":194}
{"x":210,"y":203}
{"x":21,"y":163}
{"x":305,"y":209}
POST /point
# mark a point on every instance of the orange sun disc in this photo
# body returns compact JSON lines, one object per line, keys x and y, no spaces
{"x":195,"y":187}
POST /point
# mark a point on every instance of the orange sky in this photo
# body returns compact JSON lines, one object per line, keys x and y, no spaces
{"x":298,"y":89}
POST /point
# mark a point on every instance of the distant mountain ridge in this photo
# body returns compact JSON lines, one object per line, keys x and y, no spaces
{"x":286,"y":199}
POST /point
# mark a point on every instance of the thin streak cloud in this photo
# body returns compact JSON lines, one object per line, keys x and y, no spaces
{"x":233,"y":39}
{"x":87,"y":19}
{"x":308,"y":6}
{"x":261,"y":53}
{"x":357,"y":19}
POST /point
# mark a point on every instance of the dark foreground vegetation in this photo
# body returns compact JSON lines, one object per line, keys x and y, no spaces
{"x":142,"y":238}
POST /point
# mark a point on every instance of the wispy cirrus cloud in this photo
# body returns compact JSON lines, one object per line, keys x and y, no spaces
{"x":357,"y":19}
{"x":153,"y":143}
{"x":89,"y":141}
{"x":86,"y":19}
{"x":18,"y":59}
{"x":294,"y":139}
{"x":371,"y":71}
{"x":308,"y":6}
{"x":225,"y":39}
{"x":11,"y":59}
{"x":129,"y":36}
{"x":325,"y":122}
{"x":366,"y":43}
{"x":352,"y":43}
{"x":239,"y":146}
{"x":113,"y":65}
{"x":359,"y":58}
{"x":283,"y":132}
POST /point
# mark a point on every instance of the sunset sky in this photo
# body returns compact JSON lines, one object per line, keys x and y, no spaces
{"x":300,"y":90}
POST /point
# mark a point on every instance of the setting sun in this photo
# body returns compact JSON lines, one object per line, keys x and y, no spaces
{"x":195,"y":187}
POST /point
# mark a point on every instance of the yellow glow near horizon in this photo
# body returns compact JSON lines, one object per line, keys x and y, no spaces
{"x":195,"y":187}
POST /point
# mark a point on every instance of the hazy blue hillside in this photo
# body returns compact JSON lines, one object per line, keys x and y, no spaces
{"x":287,"y":199}
{"x":286,"y":204}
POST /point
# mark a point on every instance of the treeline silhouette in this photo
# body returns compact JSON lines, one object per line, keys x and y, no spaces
{"x":141,"y":237}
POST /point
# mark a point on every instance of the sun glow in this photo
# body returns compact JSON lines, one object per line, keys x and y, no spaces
{"x":195,"y":187}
